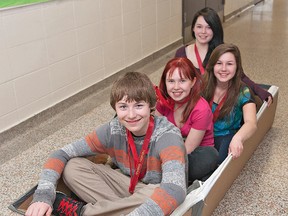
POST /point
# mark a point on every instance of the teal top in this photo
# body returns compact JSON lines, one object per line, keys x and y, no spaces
{"x":232,"y":123}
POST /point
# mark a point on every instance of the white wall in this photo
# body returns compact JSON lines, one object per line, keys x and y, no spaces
{"x":53,"y":50}
{"x":233,"y":5}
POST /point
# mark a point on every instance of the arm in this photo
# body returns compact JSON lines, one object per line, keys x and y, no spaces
{"x":262,"y":93}
{"x":44,"y":195}
{"x":173,"y":185}
{"x":246,"y":131}
{"x":200,"y":121}
{"x":194,"y":139}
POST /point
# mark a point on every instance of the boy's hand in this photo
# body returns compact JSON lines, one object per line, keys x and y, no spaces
{"x":39,"y":209}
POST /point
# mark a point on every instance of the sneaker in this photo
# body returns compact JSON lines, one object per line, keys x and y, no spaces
{"x":65,"y":206}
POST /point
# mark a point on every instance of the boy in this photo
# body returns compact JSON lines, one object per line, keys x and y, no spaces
{"x":148,"y":152}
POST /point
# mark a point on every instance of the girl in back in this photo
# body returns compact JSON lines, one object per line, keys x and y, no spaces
{"x":207,"y":31}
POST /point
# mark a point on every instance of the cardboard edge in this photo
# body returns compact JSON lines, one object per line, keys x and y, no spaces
{"x":265,"y":119}
{"x":15,"y":206}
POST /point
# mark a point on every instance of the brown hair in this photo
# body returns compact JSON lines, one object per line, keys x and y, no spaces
{"x":136,"y":87}
{"x":235,"y":84}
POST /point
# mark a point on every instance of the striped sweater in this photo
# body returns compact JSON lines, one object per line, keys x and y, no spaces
{"x":165,"y":163}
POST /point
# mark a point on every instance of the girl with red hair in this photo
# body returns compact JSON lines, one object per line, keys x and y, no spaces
{"x":180,"y":100}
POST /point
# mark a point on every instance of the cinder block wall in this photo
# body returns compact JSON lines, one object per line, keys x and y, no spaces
{"x":51,"y":51}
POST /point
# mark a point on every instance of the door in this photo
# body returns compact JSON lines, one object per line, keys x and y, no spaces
{"x":190,"y":7}
{"x":217,"y":5}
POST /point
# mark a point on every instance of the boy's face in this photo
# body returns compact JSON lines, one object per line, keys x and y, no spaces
{"x":133,"y":115}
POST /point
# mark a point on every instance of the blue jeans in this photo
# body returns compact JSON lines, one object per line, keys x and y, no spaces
{"x":202,"y":163}
{"x":222,"y":145}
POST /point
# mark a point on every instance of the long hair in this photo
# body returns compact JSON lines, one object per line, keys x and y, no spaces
{"x":235,"y":85}
{"x":213,"y":20}
{"x":186,"y":70}
{"x":136,"y":87}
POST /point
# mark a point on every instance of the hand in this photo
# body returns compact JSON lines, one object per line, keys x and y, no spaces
{"x":269,"y":101}
{"x":39,"y":209}
{"x":236,"y":148}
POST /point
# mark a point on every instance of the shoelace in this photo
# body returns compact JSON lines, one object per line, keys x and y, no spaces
{"x":68,"y":207}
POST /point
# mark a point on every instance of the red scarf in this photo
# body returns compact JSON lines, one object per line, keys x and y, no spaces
{"x":200,"y":64}
{"x":218,"y":108}
{"x":138,"y":161}
{"x":170,"y":103}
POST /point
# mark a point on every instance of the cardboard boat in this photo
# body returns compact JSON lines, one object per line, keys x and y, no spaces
{"x":202,"y":197}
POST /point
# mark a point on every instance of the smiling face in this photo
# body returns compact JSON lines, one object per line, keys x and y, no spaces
{"x":133,"y":115}
{"x":225,"y":68}
{"x":178,"y":87}
{"x":202,"y":31}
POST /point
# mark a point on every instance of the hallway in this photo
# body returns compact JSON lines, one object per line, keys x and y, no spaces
{"x":261,"y":33}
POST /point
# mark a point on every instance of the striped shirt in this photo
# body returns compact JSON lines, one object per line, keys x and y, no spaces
{"x":165,"y":163}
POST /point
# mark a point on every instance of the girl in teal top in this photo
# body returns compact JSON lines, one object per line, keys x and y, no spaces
{"x":231,"y":101}
{"x":226,"y":126}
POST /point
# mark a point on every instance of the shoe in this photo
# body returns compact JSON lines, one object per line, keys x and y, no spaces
{"x":65,"y":206}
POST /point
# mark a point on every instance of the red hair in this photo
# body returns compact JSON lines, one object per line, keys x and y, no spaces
{"x":186,"y":70}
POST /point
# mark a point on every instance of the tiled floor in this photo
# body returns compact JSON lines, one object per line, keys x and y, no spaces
{"x":262,"y":187}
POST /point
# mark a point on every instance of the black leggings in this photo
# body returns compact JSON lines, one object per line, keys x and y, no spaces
{"x":202,"y":163}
